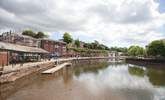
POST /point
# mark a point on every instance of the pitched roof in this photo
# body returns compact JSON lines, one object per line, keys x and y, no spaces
{"x":53,"y":40}
{"x":19,"y":48}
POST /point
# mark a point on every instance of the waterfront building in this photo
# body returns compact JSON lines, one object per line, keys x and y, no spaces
{"x":19,"y":47}
{"x":14,"y":53}
{"x":55,"y":48}
{"x":16,"y":38}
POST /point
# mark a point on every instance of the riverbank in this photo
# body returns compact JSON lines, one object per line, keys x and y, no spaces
{"x":146,"y":60}
{"x":14,"y":74}
{"x":11,"y":73}
{"x":90,"y":80}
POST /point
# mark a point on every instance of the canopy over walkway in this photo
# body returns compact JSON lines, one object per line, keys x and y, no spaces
{"x":19,"y":48}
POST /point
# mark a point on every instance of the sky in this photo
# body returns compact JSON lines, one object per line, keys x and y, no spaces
{"x":111,"y":22}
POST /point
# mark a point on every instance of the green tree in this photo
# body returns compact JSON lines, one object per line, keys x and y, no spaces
{"x":96,"y":44}
{"x":88,"y":45}
{"x":67,"y":38}
{"x":33,"y":34}
{"x":135,"y":51}
{"x":77,"y":43}
{"x":119,"y":49}
{"x":40,"y":35}
{"x":132,"y":51}
{"x":139,"y":51}
{"x":29,"y":33}
{"x":156,"y":48}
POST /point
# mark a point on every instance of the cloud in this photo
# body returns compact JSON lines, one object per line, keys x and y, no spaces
{"x":22,"y":7}
{"x":112,"y":22}
{"x":120,"y":11}
{"x":118,"y":78}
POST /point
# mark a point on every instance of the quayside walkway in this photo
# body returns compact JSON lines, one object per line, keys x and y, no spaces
{"x":11,"y":73}
{"x":16,"y":67}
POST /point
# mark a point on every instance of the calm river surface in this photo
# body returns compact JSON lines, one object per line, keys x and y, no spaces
{"x":92,"y":80}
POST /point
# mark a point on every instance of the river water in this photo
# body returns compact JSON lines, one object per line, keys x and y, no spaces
{"x":91,"y":80}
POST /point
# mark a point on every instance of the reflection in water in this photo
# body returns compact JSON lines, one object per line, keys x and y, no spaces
{"x":156,"y":76}
{"x":132,"y":82}
{"x":90,"y":68}
{"x":67,"y":74}
{"x":90,"y":81}
{"x":136,"y":71}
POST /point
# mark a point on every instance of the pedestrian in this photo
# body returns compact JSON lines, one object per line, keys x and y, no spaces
{"x":14,"y":61}
{"x":21,"y":61}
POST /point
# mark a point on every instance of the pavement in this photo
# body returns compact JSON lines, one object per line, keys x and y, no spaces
{"x":32,"y":64}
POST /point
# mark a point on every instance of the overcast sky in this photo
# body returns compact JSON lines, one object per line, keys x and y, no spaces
{"x":112,"y":22}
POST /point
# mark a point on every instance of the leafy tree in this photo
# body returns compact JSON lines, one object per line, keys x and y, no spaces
{"x":96,"y":45}
{"x":88,"y":45}
{"x":67,"y":38}
{"x":33,"y":34}
{"x":29,"y":33}
{"x":119,"y":49}
{"x":93,"y":46}
{"x":139,"y":51}
{"x":135,"y":51}
{"x":156,"y":48}
{"x":77,"y":43}
{"x":132,"y":51}
{"x":40,"y":35}
{"x":103,"y":47}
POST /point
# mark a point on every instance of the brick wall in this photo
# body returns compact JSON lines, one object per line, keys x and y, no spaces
{"x":3,"y":58}
{"x":54,"y":47}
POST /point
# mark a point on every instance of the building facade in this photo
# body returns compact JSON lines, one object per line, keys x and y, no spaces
{"x":19,"y":47}
{"x":19,"y":39}
{"x":4,"y":56}
{"x":14,"y":53}
{"x":55,"y":48}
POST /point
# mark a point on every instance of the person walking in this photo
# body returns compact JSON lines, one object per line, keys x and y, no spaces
{"x":15,"y":61}
{"x":21,"y":61}
{"x":12,"y":63}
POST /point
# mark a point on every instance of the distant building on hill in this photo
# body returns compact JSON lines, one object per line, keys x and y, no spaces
{"x":115,"y":54}
{"x":82,"y":44}
{"x":15,"y":38}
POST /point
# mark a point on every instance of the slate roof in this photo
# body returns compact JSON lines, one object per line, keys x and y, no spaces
{"x":19,"y":48}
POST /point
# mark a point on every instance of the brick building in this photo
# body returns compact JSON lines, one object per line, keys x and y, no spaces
{"x":55,"y":48}
{"x":4,"y":58}
{"x":9,"y":51}
{"x":13,"y":45}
